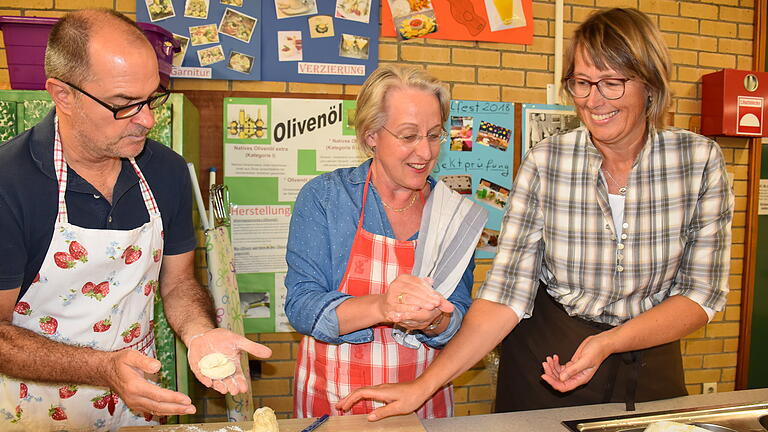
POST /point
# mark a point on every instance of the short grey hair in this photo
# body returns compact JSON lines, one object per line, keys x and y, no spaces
{"x":371,"y":113}
{"x":66,"y":56}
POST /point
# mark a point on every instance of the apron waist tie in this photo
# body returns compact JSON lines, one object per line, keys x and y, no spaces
{"x":634,"y":359}
{"x":631,"y":358}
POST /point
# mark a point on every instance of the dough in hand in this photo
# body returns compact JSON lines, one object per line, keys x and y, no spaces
{"x":264,"y":420}
{"x":216,"y":366}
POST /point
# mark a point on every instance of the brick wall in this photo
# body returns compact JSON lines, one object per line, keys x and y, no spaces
{"x":704,"y":36}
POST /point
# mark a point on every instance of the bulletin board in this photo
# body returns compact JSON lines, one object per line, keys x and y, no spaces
{"x":345,"y":54}
{"x":220,"y":39}
{"x":270,"y":40}
{"x":477,"y":160}
{"x":507,"y":21}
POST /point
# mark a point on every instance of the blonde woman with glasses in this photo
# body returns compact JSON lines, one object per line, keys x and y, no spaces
{"x":380,"y":255}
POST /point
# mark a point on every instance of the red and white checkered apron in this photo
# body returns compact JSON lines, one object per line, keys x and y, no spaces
{"x":325,"y":373}
{"x":95,"y":288}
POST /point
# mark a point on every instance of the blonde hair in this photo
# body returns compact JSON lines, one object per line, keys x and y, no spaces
{"x":371,"y":112}
{"x":626,"y":40}
{"x":66,"y":55}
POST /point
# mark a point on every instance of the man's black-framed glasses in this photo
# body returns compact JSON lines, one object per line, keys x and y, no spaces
{"x":610,"y":88}
{"x":130,"y":110}
{"x":411,"y":139}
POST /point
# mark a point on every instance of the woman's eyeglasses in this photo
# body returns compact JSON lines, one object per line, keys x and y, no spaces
{"x":130,"y":110}
{"x":610,"y":88}
{"x":412,"y":139}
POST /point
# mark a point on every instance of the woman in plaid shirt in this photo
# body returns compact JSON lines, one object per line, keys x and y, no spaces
{"x":616,"y":243}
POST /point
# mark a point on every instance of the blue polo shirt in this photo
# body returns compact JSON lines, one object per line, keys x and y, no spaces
{"x":28,"y":201}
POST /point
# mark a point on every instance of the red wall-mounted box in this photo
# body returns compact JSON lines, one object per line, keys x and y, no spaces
{"x":734,"y":103}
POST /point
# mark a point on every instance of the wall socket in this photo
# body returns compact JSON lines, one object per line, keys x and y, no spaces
{"x":709,"y":388}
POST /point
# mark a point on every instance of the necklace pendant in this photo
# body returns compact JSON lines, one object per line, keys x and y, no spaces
{"x":623,"y":190}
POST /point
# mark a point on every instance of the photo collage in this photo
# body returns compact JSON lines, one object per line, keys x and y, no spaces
{"x":271,"y":40}
{"x":321,"y":26}
{"x":476,"y":161}
{"x":218,"y":33}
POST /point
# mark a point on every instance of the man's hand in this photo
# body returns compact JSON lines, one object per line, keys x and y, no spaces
{"x":580,"y":369}
{"x":402,"y":398}
{"x":229,"y":344}
{"x":126,"y":376}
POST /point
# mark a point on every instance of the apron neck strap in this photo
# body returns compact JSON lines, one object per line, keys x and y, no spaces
{"x":365,"y":197}
{"x":60,"y":168}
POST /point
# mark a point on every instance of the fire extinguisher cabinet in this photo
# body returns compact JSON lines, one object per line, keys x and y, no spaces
{"x":734,"y":103}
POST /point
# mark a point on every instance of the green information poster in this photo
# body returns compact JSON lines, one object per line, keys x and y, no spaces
{"x":272,"y":147}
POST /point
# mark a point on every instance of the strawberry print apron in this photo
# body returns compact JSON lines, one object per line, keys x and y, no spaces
{"x":325,"y":373}
{"x":95,"y":289}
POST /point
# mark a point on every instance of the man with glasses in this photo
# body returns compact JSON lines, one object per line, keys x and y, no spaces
{"x":616,"y":243}
{"x":96,"y":218}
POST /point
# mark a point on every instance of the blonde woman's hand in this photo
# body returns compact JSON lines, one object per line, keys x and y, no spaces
{"x":412,"y":302}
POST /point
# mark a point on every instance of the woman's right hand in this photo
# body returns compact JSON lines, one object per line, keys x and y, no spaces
{"x":400,"y":398}
{"x":412,"y":299}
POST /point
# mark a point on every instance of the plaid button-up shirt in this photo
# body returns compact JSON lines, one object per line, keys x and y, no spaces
{"x":558,"y":228}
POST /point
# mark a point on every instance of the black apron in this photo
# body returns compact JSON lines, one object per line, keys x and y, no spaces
{"x":644,"y":375}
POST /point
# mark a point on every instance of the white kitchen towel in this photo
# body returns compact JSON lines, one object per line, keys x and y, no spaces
{"x":450,"y":228}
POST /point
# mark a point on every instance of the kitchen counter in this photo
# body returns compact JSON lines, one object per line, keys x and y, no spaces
{"x":535,"y":421}
{"x":550,"y":420}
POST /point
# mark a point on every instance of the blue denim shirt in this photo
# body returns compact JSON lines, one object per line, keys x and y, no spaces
{"x":322,"y":230}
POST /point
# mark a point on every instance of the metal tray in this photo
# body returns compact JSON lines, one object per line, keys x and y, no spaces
{"x":740,"y":418}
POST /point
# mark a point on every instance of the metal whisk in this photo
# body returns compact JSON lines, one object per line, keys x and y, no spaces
{"x":219,"y":203}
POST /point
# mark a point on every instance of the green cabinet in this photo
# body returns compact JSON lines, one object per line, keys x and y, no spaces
{"x":758,"y":348}
{"x":20,"y":110}
{"x":177,"y":125}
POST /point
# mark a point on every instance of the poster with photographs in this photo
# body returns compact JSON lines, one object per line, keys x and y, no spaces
{"x":220,"y":39}
{"x":505,"y":21}
{"x":339,"y":40}
{"x":477,"y":160}
{"x":542,"y":121}
{"x":332,"y":41}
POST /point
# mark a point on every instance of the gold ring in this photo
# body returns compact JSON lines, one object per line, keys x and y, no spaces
{"x":400,"y":298}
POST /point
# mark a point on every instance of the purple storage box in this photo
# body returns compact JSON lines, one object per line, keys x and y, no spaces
{"x":26,"y":37}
